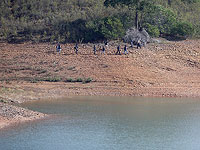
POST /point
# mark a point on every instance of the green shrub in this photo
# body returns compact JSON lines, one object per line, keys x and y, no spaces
{"x":69,"y":80}
{"x":52,"y":79}
{"x":79,"y":80}
{"x":88,"y":80}
{"x":197,"y":31}
{"x":112,"y":28}
{"x":152,"y":30}
{"x":160,"y":17}
{"x":107,"y":28}
{"x":3,"y":101}
{"x":184,"y":29}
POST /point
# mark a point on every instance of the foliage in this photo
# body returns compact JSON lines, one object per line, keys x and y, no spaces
{"x":125,"y":2}
{"x":110,"y":28}
{"x":152,"y":30}
{"x":191,"y":1}
{"x":182,"y":29}
{"x":161,"y":18}
{"x":87,"y":80}
{"x":197,"y":31}
{"x":90,"y":20}
{"x":52,"y":79}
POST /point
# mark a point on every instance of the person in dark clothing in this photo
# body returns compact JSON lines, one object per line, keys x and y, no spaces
{"x":118,"y":50}
{"x":103,"y":50}
{"x":106,"y":43}
{"x":125,"y":50}
{"x":76,"y":48}
{"x":94,"y":49}
{"x":139,"y":44}
{"x":58,"y":48}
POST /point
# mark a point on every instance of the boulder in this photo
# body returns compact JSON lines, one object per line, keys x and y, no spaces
{"x":133,"y":35}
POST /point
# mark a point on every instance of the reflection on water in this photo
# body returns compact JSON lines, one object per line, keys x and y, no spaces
{"x":99,"y":123}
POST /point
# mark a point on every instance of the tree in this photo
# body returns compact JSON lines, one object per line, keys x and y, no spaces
{"x":183,"y":29}
{"x":131,"y":3}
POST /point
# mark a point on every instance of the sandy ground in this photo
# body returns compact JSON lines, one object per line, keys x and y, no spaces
{"x":167,"y":69}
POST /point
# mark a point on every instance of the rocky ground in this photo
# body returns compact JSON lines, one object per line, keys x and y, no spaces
{"x":35,"y":71}
{"x":10,"y":114}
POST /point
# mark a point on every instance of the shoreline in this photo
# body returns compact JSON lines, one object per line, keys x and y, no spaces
{"x":35,"y":71}
{"x":11,"y":115}
{"x":8,"y":117}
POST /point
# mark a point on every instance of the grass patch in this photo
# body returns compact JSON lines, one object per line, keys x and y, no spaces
{"x":42,"y":71}
{"x":48,"y":79}
{"x":79,"y":80}
{"x":87,"y":80}
{"x":52,"y":79}
{"x":34,"y":80}
{"x":3,"y":101}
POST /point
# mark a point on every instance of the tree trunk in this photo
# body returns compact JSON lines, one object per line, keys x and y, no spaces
{"x":136,"y":19}
{"x":136,"y":14}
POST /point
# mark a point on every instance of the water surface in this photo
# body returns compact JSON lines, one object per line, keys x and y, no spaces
{"x":99,"y":123}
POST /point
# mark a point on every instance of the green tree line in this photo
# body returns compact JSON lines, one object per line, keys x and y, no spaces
{"x":92,"y":20}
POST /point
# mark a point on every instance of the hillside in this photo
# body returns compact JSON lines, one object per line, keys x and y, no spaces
{"x":167,"y":69}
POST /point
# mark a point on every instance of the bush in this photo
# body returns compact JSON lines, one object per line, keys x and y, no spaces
{"x":52,"y":79}
{"x":152,"y":30}
{"x":79,"y":80}
{"x":183,"y":29}
{"x":197,"y":31}
{"x":69,"y":80}
{"x":112,"y":28}
{"x":88,"y":80}
{"x":160,"y":17}
{"x":107,"y":28}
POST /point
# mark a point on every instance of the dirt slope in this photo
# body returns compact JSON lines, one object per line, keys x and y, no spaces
{"x":167,"y":69}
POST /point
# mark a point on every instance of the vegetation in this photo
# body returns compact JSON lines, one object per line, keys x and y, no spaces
{"x":52,"y":79}
{"x":3,"y":101}
{"x":87,"y":80}
{"x":92,"y":20}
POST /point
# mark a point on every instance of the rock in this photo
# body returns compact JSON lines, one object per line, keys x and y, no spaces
{"x":134,"y":35}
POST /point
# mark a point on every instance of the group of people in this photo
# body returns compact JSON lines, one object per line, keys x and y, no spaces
{"x":58,"y":48}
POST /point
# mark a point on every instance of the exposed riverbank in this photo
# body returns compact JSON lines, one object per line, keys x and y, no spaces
{"x":10,"y":115}
{"x":36,"y":71}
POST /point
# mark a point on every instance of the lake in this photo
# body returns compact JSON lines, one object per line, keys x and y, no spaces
{"x":109,"y":123}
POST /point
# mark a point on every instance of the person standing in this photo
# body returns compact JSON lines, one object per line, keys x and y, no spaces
{"x":58,"y":47}
{"x":139,"y":43}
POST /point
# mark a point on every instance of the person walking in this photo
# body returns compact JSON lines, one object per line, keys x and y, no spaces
{"x":103,"y":50}
{"x":94,"y":50}
{"x":125,"y":50}
{"x":76,"y":48}
{"x":118,"y":50}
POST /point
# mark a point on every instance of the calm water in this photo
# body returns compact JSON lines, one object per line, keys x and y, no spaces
{"x":108,"y":123}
